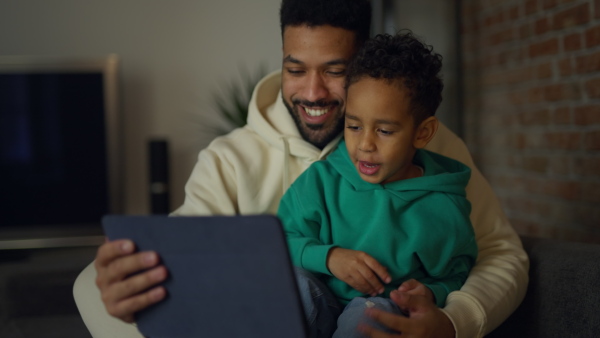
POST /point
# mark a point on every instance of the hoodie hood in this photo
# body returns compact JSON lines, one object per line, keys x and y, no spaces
{"x":269,"y":118}
{"x":440,"y":174}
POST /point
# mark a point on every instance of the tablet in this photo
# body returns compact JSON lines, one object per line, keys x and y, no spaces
{"x":229,"y":276}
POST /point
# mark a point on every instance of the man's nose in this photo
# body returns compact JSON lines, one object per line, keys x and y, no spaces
{"x":315,"y":88}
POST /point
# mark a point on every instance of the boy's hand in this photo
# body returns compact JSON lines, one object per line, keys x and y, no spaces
{"x":414,"y":287}
{"x":358,"y":269}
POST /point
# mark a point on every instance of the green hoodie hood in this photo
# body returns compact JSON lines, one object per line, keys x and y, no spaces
{"x":441,"y":174}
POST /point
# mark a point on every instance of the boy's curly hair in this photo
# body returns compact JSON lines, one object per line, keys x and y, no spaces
{"x":353,"y":15}
{"x":404,"y":60}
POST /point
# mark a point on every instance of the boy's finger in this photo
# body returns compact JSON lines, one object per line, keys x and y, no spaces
{"x":371,"y":280}
{"x":379,"y":270}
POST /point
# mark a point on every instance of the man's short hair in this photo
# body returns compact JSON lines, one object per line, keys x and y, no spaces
{"x":403,"y":60}
{"x":353,"y":15}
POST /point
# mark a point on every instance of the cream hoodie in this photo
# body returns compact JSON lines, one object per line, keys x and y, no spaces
{"x":248,"y":170}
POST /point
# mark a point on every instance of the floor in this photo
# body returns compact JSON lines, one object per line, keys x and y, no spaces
{"x":36,"y":298}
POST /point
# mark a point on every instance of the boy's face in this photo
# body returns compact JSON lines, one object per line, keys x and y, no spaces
{"x":380,"y":132}
{"x":314,"y":69}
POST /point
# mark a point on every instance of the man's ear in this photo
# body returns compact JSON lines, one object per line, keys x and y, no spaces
{"x":425,"y":132}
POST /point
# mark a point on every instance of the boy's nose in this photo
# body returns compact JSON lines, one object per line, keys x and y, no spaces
{"x":366,"y":143}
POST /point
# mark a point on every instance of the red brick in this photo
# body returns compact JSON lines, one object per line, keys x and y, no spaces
{"x":575,"y":16}
{"x":587,"y":115}
{"x":587,"y":166}
{"x":536,"y":164}
{"x":517,"y":97}
{"x":565,"y":189}
{"x":540,"y":118}
{"x":569,"y":190}
{"x":536,"y":140}
{"x":544,"y":71}
{"x":513,"y":13}
{"x":547,"y":4}
{"x":531,"y":7}
{"x":561,"y":116}
{"x":561,"y":92}
{"x":547,"y":47}
{"x":591,"y":192}
{"x":592,"y":88}
{"x":565,"y":67}
{"x":516,"y":76}
{"x":494,"y":19}
{"x":502,"y":36}
{"x":592,"y":37}
{"x":524,"y":31}
{"x":525,"y":227}
{"x":541,"y":26}
{"x":572,"y":42}
{"x":563,"y":140}
{"x":588,"y":63}
{"x":559,"y":165}
{"x":592,"y":140}
{"x":535,"y":95}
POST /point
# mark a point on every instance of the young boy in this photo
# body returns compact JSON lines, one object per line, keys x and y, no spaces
{"x":380,"y":212}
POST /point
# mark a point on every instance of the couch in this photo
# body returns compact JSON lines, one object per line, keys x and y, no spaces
{"x":563,"y":297}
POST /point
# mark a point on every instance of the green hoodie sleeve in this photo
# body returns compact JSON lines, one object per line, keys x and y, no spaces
{"x":449,"y":262}
{"x":302,"y":229}
{"x":459,"y":271}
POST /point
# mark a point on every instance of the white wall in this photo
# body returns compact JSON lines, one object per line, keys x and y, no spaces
{"x":173,"y":56}
{"x":435,"y":22}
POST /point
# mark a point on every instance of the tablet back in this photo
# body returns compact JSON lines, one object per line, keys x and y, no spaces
{"x":229,"y":276}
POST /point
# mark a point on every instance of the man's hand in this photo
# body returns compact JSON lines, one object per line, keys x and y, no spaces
{"x":123,"y":294}
{"x":358,"y":269}
{"x":424,"y":319}
{"x":416,"y":288}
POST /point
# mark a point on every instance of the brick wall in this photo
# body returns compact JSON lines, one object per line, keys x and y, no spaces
{"x":532,"y":110}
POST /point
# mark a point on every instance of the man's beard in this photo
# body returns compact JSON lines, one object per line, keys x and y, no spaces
{"x":316,"y":134}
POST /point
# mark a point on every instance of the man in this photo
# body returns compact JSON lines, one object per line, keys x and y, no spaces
{"x":295,"y":118}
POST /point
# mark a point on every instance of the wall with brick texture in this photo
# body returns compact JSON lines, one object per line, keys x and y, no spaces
{"x":532,"y":110}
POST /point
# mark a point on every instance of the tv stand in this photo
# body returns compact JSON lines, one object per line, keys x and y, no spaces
{"x":58,"y":236}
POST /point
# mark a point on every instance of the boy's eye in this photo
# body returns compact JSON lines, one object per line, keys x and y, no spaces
{"x":385,"y":132}
{"x":354,"y":128}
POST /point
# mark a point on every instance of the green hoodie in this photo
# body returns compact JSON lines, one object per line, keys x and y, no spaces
{"x":417,"y":228}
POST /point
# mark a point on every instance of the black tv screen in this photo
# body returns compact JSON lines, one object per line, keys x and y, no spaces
{"x":55,"y":156}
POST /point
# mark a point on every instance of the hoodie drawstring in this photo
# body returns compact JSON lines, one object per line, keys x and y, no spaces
{"x":286,"y":164}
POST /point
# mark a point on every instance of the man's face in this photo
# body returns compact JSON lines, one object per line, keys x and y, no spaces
{"x":314,"y":70}
{"x":380,"y":131}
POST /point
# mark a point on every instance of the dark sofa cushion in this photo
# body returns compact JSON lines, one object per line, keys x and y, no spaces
{"x":563,"y":297}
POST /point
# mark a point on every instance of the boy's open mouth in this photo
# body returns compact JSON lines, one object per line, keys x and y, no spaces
{"x":368,"y":168}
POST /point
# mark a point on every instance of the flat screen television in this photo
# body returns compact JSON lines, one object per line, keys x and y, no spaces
{"x":59,"y":153}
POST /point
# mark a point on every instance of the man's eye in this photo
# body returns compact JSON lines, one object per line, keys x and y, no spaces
{"x":295,"y":71}
{"x":337,"y":72}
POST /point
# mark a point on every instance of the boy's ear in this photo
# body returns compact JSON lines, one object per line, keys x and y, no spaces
{"x":425,"y":132}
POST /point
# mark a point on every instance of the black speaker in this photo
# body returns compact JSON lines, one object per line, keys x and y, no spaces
{"x":158,"y":153}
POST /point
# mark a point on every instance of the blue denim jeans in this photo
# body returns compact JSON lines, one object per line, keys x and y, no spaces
{"x":321,"y":308}
{"x":354,"y":314}
{"x":324,"y":314}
